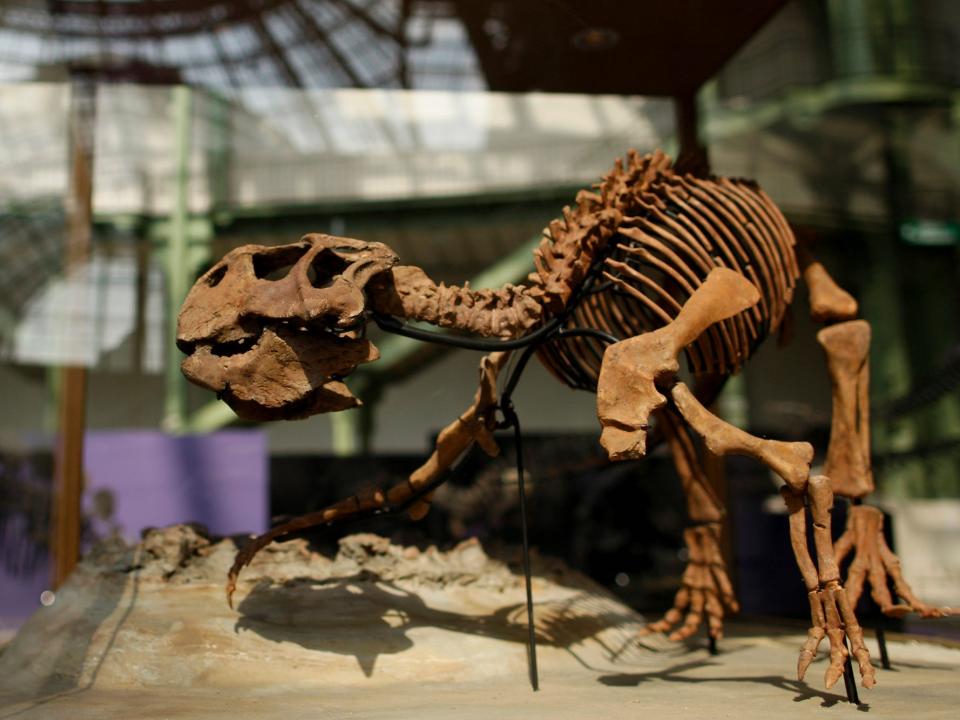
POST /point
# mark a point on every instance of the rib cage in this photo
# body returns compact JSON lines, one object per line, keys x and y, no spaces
{"x":673,"y":229}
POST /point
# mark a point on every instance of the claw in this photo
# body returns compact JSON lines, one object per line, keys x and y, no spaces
{"x":838,"y":657}
{"x":694,"y":617}
{"x":927,"y":611}
{"x":901,"y":610}
{"x":809,"y":650}
{"x":816,"y":632}
{"x":672,"y":616}
{"x":831,"y":611}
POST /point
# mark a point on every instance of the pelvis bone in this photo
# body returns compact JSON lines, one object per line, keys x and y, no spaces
{"x":274,"y":330}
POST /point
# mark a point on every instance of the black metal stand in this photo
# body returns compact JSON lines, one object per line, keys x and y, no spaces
{"x":553,"y":330}
{"x":511,"y":420}
{"x":882,"y":642}
{"x":849,"y":680}
{"x":712,"y":645}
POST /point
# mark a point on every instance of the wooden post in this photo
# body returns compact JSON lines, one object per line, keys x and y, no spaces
{"x":71,"y":411}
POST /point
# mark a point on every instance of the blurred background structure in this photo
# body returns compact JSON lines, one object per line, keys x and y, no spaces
{"x":141,"y":140}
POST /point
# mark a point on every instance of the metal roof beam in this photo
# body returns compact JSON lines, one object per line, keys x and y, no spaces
{"x":311,"y":26}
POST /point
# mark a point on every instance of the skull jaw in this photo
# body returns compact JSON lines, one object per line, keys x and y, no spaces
{"x":333,"y":396}
{"x":284,"y":375}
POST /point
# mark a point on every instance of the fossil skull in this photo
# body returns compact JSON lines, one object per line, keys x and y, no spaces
{"x":274,"y":330}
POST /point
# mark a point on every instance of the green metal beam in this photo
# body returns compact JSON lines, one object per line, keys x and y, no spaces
{"x":213,"y":416}
{"x":348,"y":206}
{"x":804,"y":103}
{"x":201,"y":227}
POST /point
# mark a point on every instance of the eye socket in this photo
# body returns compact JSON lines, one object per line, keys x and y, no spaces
{"x":214,"y":278}
{"x":277,"y":263}
{"x":325,"y":267}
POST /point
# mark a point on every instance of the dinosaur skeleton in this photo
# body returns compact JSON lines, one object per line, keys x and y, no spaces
{"x":651,"y":264}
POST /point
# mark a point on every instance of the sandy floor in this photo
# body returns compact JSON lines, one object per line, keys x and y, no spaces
{"x":389,"y":632}
{"x":745,"y":681}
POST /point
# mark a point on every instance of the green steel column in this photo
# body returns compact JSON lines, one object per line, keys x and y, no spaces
{"x":175,"y":406}
{"x":352,"y":429}
{"x":905,"y":38}
{"x":852,"y":54}
{"x":890,"y":363}
{"x":219,"y":144}
{"x":928,"y":298}
{"x":875,"y":37}
{"x":345,"y":428}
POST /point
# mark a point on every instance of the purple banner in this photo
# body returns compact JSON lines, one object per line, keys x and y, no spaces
{"x":143,"y":478}
{"x":134,"y":479}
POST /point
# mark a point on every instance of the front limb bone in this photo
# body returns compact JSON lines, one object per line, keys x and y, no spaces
{"x":473,"y":426}
{"x":847,"y":346}
{"x":832,"y":614}
{"x":626,"y":389}
{"x":789,"y":460}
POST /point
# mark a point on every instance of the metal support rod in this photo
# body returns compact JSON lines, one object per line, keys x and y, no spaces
{"x":511,"y":420}
{"x":71,"y":401}
{"x":882,"y":643}
{"x":510,"y":416}
{"x":849,"y":680}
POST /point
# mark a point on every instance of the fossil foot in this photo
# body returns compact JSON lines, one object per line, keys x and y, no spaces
{"x":833,"y":618}
{"x":876,"y":565}
{"x":705,"y":590}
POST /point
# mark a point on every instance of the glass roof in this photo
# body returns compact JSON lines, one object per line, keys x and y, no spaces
{"x":225,"y":45}
{"x":276,"y":147}
{"x":637,"y":48}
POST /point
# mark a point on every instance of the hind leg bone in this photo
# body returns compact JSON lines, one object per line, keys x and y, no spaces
{"x":705,"y":587}
{"x":831,"y":612}
{"x":846,"y":344}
